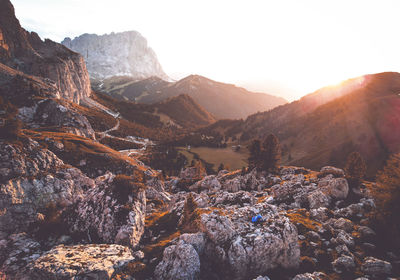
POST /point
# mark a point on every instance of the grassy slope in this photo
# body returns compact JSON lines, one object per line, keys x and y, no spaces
{"x":227,"y":156}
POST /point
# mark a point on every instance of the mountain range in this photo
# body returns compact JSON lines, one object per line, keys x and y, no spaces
{"x":224,"y":101}
{"x":361,"y":114}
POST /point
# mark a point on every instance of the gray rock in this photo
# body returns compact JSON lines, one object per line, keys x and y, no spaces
{"x":34,"y":177}
{"x":209,"y":184}
{"x":376,"y":267}
{"x":179,"y":262}
{"x":234,"y":185}
{"x":318,"y":199}
{"x":197,"y":240}
{"x":343,"y":250}
{"x":16,"y":253}
{"x":238,"y":198}
{"x":366,"y":233}
{"x":343,"y":224}
{"x":219,"y":229}
{"x":107,"y":215}
{"x":343,"y":264}
{"x":335,"y":188}
{"x":310,"y":276}
{"x":194,"y":172}
{"x":320,"y":214}
{"x":344,"y":238}
{"x":60,"y":114}
{"x":330,"y":170}
{"x":250,"y":248}
{"x":93,"y":261}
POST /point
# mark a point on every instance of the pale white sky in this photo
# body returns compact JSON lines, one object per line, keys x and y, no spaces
{"x":286,"y":47}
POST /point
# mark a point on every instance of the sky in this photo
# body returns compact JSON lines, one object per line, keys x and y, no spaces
{"x":287,"y":48}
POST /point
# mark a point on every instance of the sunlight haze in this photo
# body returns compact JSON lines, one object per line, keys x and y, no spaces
{"x":285,"y":48}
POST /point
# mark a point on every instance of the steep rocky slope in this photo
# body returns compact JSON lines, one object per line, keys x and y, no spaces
{"x":117,"y":54}
{"x":25,"y":51}
{"x":224,"y":101}
{"x":359,"y":115}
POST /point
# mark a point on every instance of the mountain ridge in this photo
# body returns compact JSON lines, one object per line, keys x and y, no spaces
{"x":323,"y":140}
{"x":222,"y":100}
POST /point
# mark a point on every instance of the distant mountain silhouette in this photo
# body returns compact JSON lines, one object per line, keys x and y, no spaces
{"x":224,"y":101}
{"x":179,"y":111}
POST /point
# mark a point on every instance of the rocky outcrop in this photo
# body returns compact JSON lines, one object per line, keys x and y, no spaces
{"x":245,"y":248}
{"x":376,"y":267}
{"x":91,"y":261}
{"x":16,"y":252}
{"x":26,"y":52}
{"x":110,"y":213}
{"x":193,"y":173}
{"x":179,"y":262}
{"x":117,"y":54}
{"x":60,"y":114}
{"x":311,"y":276}
{"x":31,"y":178}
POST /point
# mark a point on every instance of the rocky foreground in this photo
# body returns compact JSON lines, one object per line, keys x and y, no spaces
{"x":312,"y":225}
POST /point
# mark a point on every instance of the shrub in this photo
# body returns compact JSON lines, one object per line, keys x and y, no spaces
{"x":10,"y":125}
{"x":124,"y":186}
{"x":52,"y":224}
{"x":355,"y":168}
{"x":190,"y":215}
{"x":386,"y":218}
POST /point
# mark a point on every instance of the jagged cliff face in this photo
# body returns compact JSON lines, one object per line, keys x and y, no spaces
{"x":26,"y":52}
{"x":117,"y":54}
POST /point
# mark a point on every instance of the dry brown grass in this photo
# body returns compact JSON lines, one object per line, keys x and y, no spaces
{"x":77,"y":148}
{"x":302,"y":220}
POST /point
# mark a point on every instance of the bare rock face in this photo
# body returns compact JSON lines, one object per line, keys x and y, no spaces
{"x":245,"y":248}
{"x":179,"y":262}
{"x":117,"y":54}
{"x":194,"y":172}
{"x":31,"y":178}
{"x":336,"y":188}
{"x":16,"y":253}
{"x":376,"y":267}
{"x":26,"y":52}
{"x":109,"y":214}
{"x":53,"y":113}
{"x":311,"y":276}
{"x":100,"y":261}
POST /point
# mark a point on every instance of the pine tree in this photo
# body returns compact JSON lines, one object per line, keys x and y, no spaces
{"x":355,"y":168}
{"x":188,"y":222}
{"x":271,"y":154}
{"x":255,"y":154}
{"x":387,"y":199}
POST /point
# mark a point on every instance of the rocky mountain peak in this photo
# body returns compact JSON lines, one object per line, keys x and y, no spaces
{"x":25,"y":51}
{"x":117,"y":54}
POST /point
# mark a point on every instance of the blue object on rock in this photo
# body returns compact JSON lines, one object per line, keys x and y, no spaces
{"x":256,"y":219}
